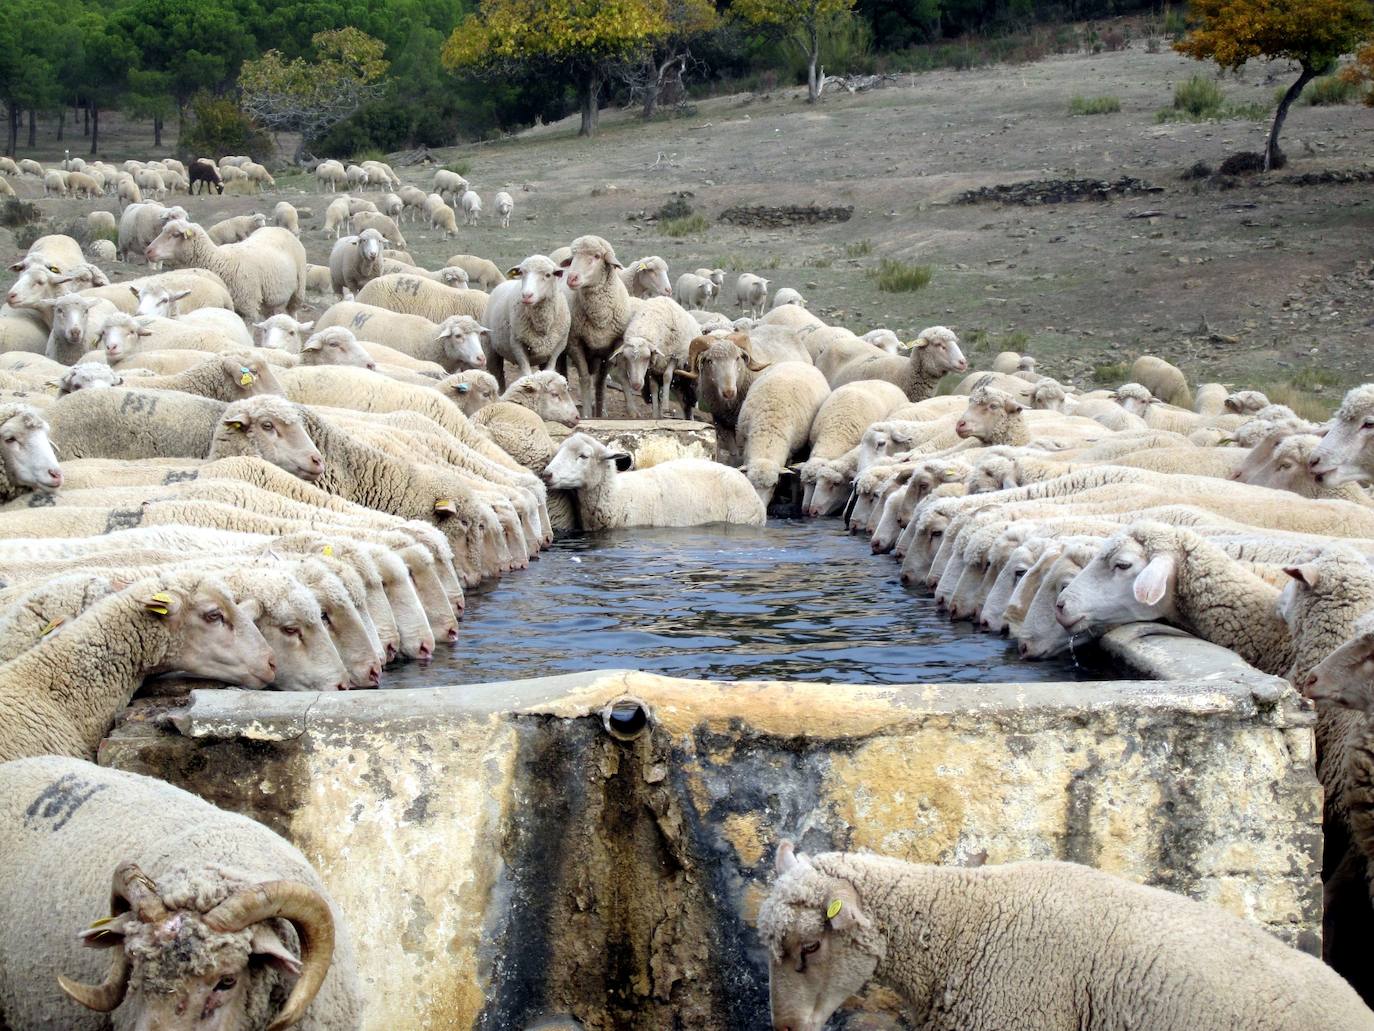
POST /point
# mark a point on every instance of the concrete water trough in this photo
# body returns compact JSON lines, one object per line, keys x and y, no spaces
{"x":590,"y":850}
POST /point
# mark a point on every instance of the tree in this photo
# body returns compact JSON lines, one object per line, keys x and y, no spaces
{"x":802,"y":23}
{"x":657,"y":75}
{"x":312,"y":97}
{"x":577,"y":39}
{"x":1311,"y":33}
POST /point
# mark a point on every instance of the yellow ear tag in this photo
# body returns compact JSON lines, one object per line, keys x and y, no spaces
{"x":235,"y":425}
{"x":246,"y":379}
{"x":102,"y":921}
{"x":327,"y":551}
{"x":833,"y":910}
{"x":52,"y":626}
{"x":444,"y":503}
{"x":159,"y":609}
{"x":159,"y":603}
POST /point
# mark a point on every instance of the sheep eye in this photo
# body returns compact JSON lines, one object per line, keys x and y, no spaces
{"x":214,"y":616}
{"x":1369,"y":424}
{"x":1123,"y":566}
{"x":291,"y":631}
{"x":324,"y":617}
{"x":268,"y":428}
{"x":11,"y":440}
{"x":936,"y":533}
{"x":809,"y":948}
{"x":226,"y":983}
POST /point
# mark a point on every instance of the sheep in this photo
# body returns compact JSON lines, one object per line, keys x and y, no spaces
{"x":331,"y":174}
{"x":355,"y":261}
{"x":140,"y":224}
{"x":282,"y":332}
{"x":380,"y":174}
{"x":8,"y":167}
{"x":318,"y":279}
{"x":775,"y":420}
{"x":1210,"y":399}
{"x":233,"y":230}
{"x":102,"y":251}
{"x":449,"y":184}
{"x":647,"y":277}
{"x":393,"y":207}
{"x":693,"y":291}
{"x":471,"y":390}
{"x":725,"y":371}
{"x":337,"y":215}
{"x":441,"y":216}
{"x":209,"y":912}
{"x":751,"y":293}
{"x":656,"y":342}
{"x":505,"y":205}
{"x":27,"y":459}
{"x":412,"y":201}
{"x":88,"y":376}
{"x":336,"y":345}
{"x":77,"y":323}
{"x":788,"y":296}
{"x":159,"y":625}
{"x":265,"y":274}
{"x":454,"y":343}
{"x":834,"y":921}
{"x":600,"y":309}
{"x":934,"y":352}
{"x":28,"y":166}
{"x":6,"y":190}
{"x":472,"y":207}
{"x":209,"y":329}
{"x":486,"y":274}
{"x":101,"y":223}
{"x":258,"y":176}
{"x":54,"y":181}
{"x":1245,"y":402}
{"x":847,"y":412}
{"x":527,"y":318}
{"x":227,"y":378}
{"x":362,"y":220}
{"x":1346,"y":452}
{"x":682,"y":492}
{"x":412,"y":294}
{"x":546,"y":393}
{"x":1163,"y":380}
{"x":150,"y":181}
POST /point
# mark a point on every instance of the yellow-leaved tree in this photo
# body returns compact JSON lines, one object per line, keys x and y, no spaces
{"x":580,"y":39}
{"x":802,"y":24}
{"x":1310,"y":33}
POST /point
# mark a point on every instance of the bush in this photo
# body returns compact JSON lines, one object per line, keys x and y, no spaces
{"x":1199,"y":97}
{"x":1111,"y":374}
{"x":858,"y":249}
{"x":897,"y":277}
{"x":26,"y":235}
{"x":461,"y":167}
{"x":676,"y":208}
{"x":1197,"y":170}
{"x":370,"y":154}
{"x":684,"y":226}
{"x":1175,"y":23}
{"x":1094,"y":105}
{"x":1329,"y":91}
{"x":218,"y":126}
{"x":17,"y":213}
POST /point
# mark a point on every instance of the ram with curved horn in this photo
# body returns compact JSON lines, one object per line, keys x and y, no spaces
{"x":210,"y":921}
{"x":725,"y":369}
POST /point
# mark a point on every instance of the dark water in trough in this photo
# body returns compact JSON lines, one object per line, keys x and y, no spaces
{"x":794,"y":600}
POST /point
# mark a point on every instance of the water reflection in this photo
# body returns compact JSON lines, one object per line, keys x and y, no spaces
{"x":795,"y":600}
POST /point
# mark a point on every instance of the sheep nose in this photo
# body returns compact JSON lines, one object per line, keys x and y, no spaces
{"x":480,"y":361}
{"x":1023,"y":649}
{"x":425,"y":651}
{"x":390,"y":652}
{"x":451,"y":635}
{"x":317,"y":462}
{"x":372,"y":366}
{"x":1308,"y":683}
{"x":729,"y":395}
{"x":907,"y":579}
{"x":342,"y":685}
{"x":272,"y":664}
{"x":11,"y":298}
{"x":374,"y":674}
{"x":527,"y":297}
{"x":55,"y":476}
{"x":983,"y":624}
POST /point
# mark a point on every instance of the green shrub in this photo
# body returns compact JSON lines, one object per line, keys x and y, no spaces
{"x":18,"y":213}
{"x":1199,"y":97}
{"x":1111,"y":374}
{"x":897,"y":277}
{"x":675,"y":208}
{"x":1094,"y":105}
{"x":368,"y":154}
{"x":858,"y":249}
{"x":684,"y":226}
{"x":818,"y":262}
{"x":1311,"y":378}
{"x":218,"y":126}
{"x":25,"y":236}
{"x":461,"y":166}
{"x":1329,"y":91}
{"x":1175,"y":23}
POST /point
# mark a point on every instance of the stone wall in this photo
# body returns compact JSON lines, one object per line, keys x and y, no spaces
{"x":514,"y":855}
{"x":654,"y":439}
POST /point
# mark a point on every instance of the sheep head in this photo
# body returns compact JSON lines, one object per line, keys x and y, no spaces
{"x":582,"y":461}
{"x":822,"y":946}
{"x":1245,"y":402}
{"x":591,"y":262}
{"x":1132,"y":578}
{"x":989,"y":416}
{"x":545,"y":393}
{"x":26,"y":452}
{"x":464,"y":340}
{"x":282,"y":332}
{"x":471,"y":390}
{"x":249,"y":376}
{"x":1346,"y":453}
{"x":87,"y":376}
{"x":336,"y":346}
{"x":175,"y":243}
{"x":215,"y":969}
{"x":155,"y":299}
{"x":935,"y":351}
{"x":1346,"y":676}
{"x":270,"y":428}
{"x":649,"y":278}
{"x":635,"y":356}
{"x":1135,"y":398}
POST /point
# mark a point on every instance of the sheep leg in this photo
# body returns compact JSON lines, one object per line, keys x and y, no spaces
{"x":599,"y":373}
{"x":584,"y":379}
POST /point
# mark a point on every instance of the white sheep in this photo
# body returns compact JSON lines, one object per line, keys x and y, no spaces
{"x":774,"y":421}
{"x":694,"y":291}
{"x":788,"y":296}
{"x":934,"y":352}
{"x":414,"y":294}
{"x":654,"y":346}
{"x":472,"y":207}
{"x":505,"y":205}
{"x":834,"y":921}
{"x":1161,"y":379}
{"x":240,"y":227}
{"x":454,"y":343}
{"x":545,"y":393}
{"x":362,"y":220}
{"x":600,"y":309}
{"x":527,"y":318}
{"x":486,"y":274}
{"x":682,"y":492}
{"x":140,"y":224}
{"x":331,"y":174}
{"x":265,"y":274}
{"x":202,"y":909}
{"x":285,"y":216}
{"x":471,"y":390}
{"x":282,"y":332}
{"x":441,"y":216}
{"x":355,"y":261}
{"x":1346,"y":452}
{"x":449,"y":185}
{"x":751,"y":293}
{"x":27,"y":460}
{"x":648,"y":277}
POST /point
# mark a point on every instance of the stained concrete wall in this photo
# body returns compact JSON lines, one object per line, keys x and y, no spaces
{"x":507,"y":863}
{"x":692,"y":439}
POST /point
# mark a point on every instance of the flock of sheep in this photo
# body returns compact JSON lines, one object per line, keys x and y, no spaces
{"x":199,"y":481}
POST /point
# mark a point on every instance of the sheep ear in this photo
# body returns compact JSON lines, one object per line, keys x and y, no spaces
{"x":180,"y":294}
{"x":1304,"y":574}
{"x":234,"y":424}
{"x":461,"y":388}
{"x":445,"y":506}
{"x":513,"y":272}
{"x":786,"y":857}
{"x":622,"y":461}
{"x":1152,"y":582}
{"x":1015,"y":406}
{"x":304,"y":327}
{"x":267,"y":946}
{"x":558,"y":273}
{"x":18,"y":266}
{"x":107,"y":932}
{"x":162,"y":604}
{"x":134,"y":290}
{"x":562,"y":264}
{"x":842,"y":911}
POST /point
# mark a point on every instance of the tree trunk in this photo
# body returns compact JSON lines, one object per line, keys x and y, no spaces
{"x":813,"y":85}
{"x":157,"y":130}
{"x":95,"y":128}
{"x":61,"y":122}
{"x":591,"y":97}
{"x":11,"y":136}
{"x":1271,"y":148}
{"x":33,"y":130}
{"x":86,"y":131}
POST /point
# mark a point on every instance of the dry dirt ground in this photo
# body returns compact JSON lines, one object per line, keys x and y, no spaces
{"x":1256,"y":283}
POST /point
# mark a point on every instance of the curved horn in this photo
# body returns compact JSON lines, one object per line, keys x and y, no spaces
{"x":107,"y":995}
{"x":307,"y":911}
{"x":694,"y":351}
{"x":137,"y":889}
{"x":741,"y":340}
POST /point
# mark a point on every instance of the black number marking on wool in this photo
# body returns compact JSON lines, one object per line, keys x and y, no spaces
{"x":59,"y":801}
{"x":136,"y":402}
{"x":124,"y":519}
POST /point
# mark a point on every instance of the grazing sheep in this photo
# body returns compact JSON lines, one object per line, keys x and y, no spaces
{"x":204,"y":172}
{"x":102,"y":223}
{"x":355,"y":261}
{"x":362,"y":220}
{"x":775,"y":420}
{"x":505,"y":204}
{"x":265,"y":274}
{"x":934,"y":352}
{"x":441,"y":216}
{"x":337,"y":215}
{"x":331,"y":174}
{"x":682,"y":492}
{"x":1346,"y":453}
{"x":486,"y":274}
{"x":1100,"y":951}
{"x":258,"y":176}
{"x":285,"y":216}
{"x":527,"y":318}
{"x":655,"y":345}
{"x":1161,"y":379}
{"x":693,"y":291}
{"x":648,"y":277}
{"x":751,"y":293}
{"x":471,"y":390}
{"x":449,"y":185}
{"x":209,"y":913}
{"x":472,"y":207}
{"x":409,"y":293}
{"x":600,"y":309}
{"x":55,"y":181}
{"x":393,"y":207}
{"x":788,"y":296}
{"x":232,"y":230}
